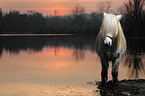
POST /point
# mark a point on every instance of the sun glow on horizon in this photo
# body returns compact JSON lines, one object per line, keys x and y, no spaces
{"x":51,"y":10}
{"x":47,"y":7}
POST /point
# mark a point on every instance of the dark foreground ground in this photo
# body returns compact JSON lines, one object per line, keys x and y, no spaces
{"x":125,"y":88}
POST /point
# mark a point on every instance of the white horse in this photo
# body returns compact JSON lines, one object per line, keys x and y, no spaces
{"x":110,"y":46}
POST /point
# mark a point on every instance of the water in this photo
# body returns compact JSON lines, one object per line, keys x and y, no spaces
{"x":60,"y":65}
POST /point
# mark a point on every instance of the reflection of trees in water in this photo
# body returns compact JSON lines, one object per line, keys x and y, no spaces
{"x":79,"y":44}
{"x":135,"y":64}
{"x":79,"y":48}
{"x":14,"y":45}
{"x":134,"y":57}
{"x":56,"y":50}
{"x":79,"y":54}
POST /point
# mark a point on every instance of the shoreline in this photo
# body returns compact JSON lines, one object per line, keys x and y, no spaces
{"x":130,"y":87}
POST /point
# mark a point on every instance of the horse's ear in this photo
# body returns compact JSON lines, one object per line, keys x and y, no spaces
{"x":105,"y":14}
{"x":119,"y":17}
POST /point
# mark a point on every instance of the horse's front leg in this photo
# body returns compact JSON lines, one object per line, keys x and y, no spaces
{"x":115,"y":65}
{"x":104,"y":73}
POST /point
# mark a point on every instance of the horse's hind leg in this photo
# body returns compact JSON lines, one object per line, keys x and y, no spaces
{"x":115,"y":65}
{"x":104,"y":73}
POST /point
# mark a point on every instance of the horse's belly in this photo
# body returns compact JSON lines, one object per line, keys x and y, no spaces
{"x":111,"y":56}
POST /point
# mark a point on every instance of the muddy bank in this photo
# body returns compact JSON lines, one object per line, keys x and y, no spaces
{"x":125,"y":88}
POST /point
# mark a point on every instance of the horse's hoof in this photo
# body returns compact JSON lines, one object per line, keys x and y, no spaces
{"x":115,"y":84}
{"x":101,"y":86}
{"x":102,"y":89}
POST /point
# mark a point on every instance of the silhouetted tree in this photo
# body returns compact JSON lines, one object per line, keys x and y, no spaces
{"x":79,"y":18}
{"x":104,"y":6}
{"x":56,"y":12}
{"x":36,"y":21}
{"x":134,"y":10}
{"x":14,"y":22}
{"x":1,"y":13}
{"x":1,"y":20}
{"x":31,"y":12}
{"x":134,"y":17}
{"x":78,"y":10}
{"x":96,"y":20}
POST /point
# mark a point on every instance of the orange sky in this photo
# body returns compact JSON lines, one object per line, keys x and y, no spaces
{"x":47,"y":7}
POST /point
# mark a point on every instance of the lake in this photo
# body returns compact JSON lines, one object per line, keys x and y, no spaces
{"x":60,"y":65}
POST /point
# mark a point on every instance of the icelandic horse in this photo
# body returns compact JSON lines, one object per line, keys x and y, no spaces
{"x":110,"y":46}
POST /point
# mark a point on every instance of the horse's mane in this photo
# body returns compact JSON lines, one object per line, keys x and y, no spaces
{"x":121,"y":38}
{"x":111,"y":24}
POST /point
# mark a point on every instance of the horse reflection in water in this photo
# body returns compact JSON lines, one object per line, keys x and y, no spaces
{"x":110,"y":46}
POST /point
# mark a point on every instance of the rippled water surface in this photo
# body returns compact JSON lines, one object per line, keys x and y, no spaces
{"x":60,"y":65}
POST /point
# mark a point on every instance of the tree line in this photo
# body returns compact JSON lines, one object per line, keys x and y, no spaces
{"x":14,"y":22}
{"x":78,"y":22}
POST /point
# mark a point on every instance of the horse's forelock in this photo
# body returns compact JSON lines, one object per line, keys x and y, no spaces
{"x":110,"y":25}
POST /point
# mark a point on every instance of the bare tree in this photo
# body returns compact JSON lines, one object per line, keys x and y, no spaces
{"x":79,"y":17}
{"x":104,"y":6}
{"x":1,"y":13}
{"x":134,"y":8}
{"x":78,"y":10}
{"x":31,"y":12}
{"x":134,"y":11}
{"x":56,"y":12}
{"x":121,"y":10}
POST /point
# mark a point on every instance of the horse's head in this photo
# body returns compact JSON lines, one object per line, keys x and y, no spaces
{"x":110,"y":28}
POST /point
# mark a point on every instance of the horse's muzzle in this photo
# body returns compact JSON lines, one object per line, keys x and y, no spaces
{"x":108,"y":42}
{"x":107,"y":45}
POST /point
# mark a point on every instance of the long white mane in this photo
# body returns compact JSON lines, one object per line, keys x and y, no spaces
{"x":111,"y":26}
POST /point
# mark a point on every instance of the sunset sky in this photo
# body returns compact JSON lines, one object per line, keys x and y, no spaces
{"x":47,"y":7}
